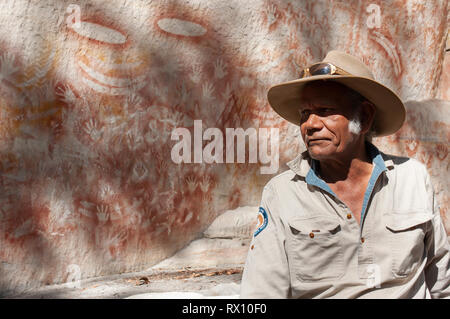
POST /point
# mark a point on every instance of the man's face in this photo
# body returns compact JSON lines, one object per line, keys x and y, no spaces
{"x":325,"y":114}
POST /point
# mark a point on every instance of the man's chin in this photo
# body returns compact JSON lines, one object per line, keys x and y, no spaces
{"x":318,"y":153}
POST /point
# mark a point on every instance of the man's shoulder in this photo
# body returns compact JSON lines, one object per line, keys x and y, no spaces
{"x":408,"y":171}
{"x":403,"y":163}
{"x":280,"y":179}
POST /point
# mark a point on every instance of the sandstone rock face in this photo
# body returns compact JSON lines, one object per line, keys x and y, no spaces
{"x":224,"y":243}
{"x":238,"y":223}
{"x":90,"y":94}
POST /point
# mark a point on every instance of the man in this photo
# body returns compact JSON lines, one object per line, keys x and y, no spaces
{"x":346,"y":221}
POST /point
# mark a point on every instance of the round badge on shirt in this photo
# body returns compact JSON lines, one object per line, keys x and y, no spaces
{"x":262,"y":221}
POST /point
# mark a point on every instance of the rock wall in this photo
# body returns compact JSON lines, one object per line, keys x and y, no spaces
{"x":91,"y":91}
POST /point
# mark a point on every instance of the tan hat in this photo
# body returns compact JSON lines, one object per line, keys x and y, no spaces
{"x":390,"y":111}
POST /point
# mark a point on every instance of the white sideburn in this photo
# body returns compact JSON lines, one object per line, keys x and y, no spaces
{"x":354,"y":126}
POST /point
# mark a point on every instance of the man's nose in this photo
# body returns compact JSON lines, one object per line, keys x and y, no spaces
{"x":314,"y":122}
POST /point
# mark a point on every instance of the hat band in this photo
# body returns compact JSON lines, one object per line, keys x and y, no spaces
{"x":322,"y":68}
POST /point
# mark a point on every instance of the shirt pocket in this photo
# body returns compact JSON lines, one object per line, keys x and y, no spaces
{"x":407,"y":232}
{"x":315,"y":249}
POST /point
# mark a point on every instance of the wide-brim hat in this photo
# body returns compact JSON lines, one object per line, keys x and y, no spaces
{"x":390,"y":111}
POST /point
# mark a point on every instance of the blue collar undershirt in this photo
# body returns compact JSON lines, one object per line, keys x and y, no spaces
{"x":378,"y":168}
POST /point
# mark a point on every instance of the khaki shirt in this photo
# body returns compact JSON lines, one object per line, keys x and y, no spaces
{"x":309,"y":245}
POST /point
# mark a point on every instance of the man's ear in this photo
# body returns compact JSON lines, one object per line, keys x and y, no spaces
{"x":367,"y":116}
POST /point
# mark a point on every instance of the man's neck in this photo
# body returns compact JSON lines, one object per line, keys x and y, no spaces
{"x":347,"y":167}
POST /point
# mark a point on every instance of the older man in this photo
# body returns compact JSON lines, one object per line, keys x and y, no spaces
{"x":346,"y":221}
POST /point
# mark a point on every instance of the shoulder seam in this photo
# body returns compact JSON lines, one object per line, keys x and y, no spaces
{"x":273,"y":179}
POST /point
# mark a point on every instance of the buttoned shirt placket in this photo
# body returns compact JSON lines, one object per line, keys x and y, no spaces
{"x":365,"y":254}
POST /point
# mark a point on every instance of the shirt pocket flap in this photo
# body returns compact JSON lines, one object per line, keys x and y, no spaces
{"x":314,"y":224}
{"x":402,"y":221}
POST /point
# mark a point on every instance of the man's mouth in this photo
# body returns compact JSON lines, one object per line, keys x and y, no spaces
{"x":316,"y":140}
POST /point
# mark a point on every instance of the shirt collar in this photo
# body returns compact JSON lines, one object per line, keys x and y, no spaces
{"x":303,"y":163}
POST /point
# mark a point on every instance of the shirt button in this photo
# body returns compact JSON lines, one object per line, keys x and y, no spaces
{"x":349,"y":216}
{"x":362,"y":239}
{"x":311,"y":235}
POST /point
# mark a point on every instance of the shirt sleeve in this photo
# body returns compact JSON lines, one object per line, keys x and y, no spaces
{"x":266,"y":271}
{"x":437,"y":270}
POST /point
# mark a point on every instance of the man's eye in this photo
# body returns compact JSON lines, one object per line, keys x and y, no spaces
{"x":325,"y":111}
{"x":304,"y":114}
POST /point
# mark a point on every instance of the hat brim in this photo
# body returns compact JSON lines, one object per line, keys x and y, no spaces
{"x":390,"y":111}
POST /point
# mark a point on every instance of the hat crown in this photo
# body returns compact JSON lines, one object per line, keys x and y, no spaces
{"x":390,"y":111}
{"x":348,"y":63}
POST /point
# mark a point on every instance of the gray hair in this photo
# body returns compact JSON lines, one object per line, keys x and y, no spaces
{"x":356,"y":99}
